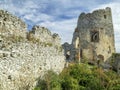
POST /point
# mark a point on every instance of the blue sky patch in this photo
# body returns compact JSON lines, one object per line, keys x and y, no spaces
{"x":60,"y":16}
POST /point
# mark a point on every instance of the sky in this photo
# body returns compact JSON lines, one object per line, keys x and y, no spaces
{"x":60,"y":16}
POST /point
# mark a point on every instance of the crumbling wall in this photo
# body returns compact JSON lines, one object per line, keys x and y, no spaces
{"x":96,"y":34}
{"x":11,"y":25}
{"x":42,"y":34}
{"x":25,"y":59}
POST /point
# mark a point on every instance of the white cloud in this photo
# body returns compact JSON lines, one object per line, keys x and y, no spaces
{"x":115,"y":6}
{"x":36,"y":18}
{"x":65,"y":28}
{"x":49,"y":12}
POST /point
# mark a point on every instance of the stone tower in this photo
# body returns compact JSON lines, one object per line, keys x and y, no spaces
{"x":93,"y":37}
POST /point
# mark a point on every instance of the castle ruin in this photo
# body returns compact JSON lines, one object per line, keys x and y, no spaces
{"x":25,"y":56}
{"x":93,"y":37}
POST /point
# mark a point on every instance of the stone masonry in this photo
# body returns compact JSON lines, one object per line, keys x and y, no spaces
{"x":93,"y":37}
{"x":10,"y":25}
{"x":26,"y":56}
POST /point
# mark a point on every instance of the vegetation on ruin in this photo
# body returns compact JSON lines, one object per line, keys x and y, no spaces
{"x":80,"y":77}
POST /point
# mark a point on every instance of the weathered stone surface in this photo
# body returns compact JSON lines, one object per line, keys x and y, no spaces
{"x":23,"y":60}
{"x":56,"y":39}
{"x":94,"y":35}
{"x":42,"y":34}
{"x":26,"y":62}
{"x":10,"y":25}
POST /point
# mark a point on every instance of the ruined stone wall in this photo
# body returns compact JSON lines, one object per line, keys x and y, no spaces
{"x":23,"y":63}
{"x":11,"y":25}
{"x":24,"y":60}
{"x":96,"y":34}
{"x":44,"y":35}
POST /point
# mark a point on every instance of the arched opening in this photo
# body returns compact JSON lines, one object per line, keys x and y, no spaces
{"x":94,"y":36}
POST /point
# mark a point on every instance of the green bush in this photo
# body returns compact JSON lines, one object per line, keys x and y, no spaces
{"x":51,"y":81}
{"x":80,"y":77}
{"x":69,"y":83}
{"x":84,"y":77}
